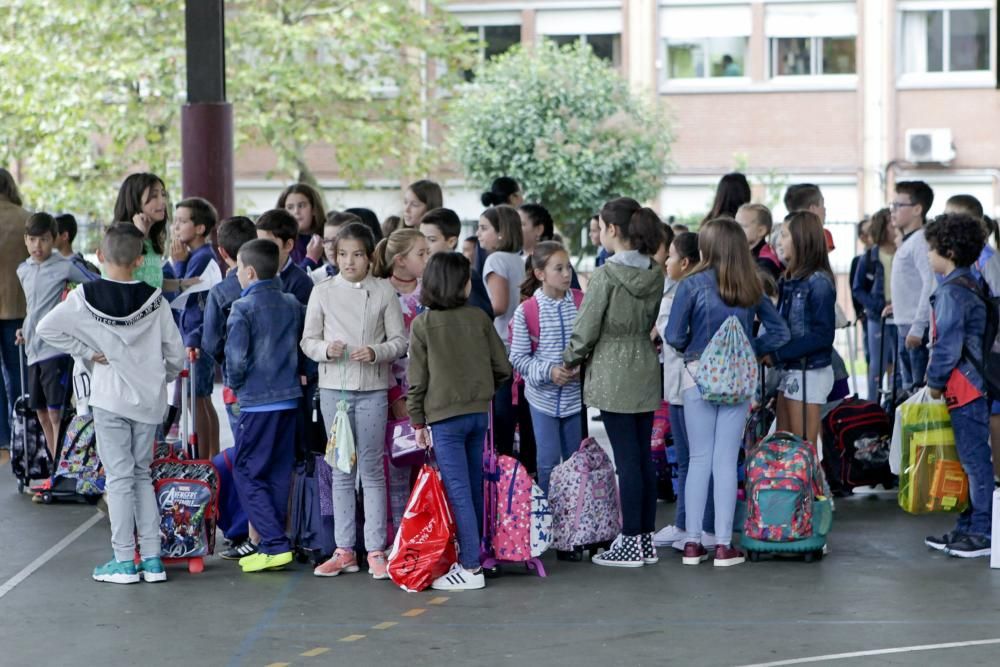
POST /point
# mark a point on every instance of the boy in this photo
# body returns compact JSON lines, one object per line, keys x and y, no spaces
{"x":262,"y":367}
{"x":334,"y":221}
{"x":755,"y":219}
{"x":125,"y":327}
{"x":808,"y":197}
{"x":595,"y":240}
{"x":441,"y":227}
{"x":469,"y":248}
{"x":67,"y":229}
{"x":958,"y":325}
{"x":912,"y":280}
{"x":279,"y":227}
{"x":44,"y":277}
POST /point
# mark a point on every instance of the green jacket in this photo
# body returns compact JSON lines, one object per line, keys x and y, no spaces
{"x":457,"y":362}
{"x":611,"y":336}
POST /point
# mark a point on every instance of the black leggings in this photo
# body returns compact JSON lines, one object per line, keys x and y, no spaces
{"x":630,"y":440}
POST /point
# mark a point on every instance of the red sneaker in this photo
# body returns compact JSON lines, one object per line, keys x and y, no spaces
{"x":694,"y":553}
{"x":44,"y":485}
{"x":727,"y":555}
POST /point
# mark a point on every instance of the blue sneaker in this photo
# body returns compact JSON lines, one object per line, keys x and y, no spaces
{"x":152,"y":570}
{"x":116,"y":572}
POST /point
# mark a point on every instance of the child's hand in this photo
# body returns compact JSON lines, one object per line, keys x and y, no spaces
{"x":336,"y":349}
{"x":936,"y":394}
{"x":561,"y":375}
{"x":423,"y":439}
{"x":19,"y":337}
{"x":193,"y":353}
{"x":314,"y":250}
{"x":99,"y":358}
{"x":767,"y":360}
{"x":363,"y":354}
{"x":887,"y":311}
{"x":178,"y":251}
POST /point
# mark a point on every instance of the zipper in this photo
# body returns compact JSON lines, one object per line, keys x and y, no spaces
{"x":562,"y":330}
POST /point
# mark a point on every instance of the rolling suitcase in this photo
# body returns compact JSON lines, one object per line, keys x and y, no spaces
{"x":29,"y":455}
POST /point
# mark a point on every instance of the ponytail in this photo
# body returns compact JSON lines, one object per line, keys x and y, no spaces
{"x":500,"y":192}
{"x":398,"y":243}
{"x":381,"y":267}
{"x":639,"y":226}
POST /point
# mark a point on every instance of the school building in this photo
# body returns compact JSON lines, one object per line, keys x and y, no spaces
{"x":852,"y":96}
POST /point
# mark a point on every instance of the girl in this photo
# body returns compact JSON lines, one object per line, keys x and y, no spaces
{"x":732,"y":192}
{"x":457,"y":362}
{"x":354,"y":329}
{"x":724,"y":283}
{"x":504,"y":190}
{"x":536,"y":226}
{"x":807,"y":296}
{"x":420,"y":197}
{"x":499,"y":234}
{"x":552,"y":391}
{"x":142,"y":200}
{"x":611,"y":334}
{"x":681,"y":261}
{"x":871,"y":290}
{"x":306,"y":206}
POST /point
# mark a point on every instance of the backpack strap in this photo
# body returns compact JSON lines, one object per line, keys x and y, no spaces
{"x":577,"y":297}
{"x":531,"y":321}
{"x":976,"y":288}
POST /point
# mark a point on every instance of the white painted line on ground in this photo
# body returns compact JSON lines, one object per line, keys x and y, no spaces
{"x":9,"y":585}
{"x":882,"y":651}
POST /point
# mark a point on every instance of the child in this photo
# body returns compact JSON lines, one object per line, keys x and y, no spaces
{"x":334,"y":221}
{"x":278,"y":226}
{"x":725,"y":283}
{"x":125,"y":327}
{"x":755,"y":219}
{"x":457,"y":362}
{"x":420,"y":197}
{"x":958,"y":324}
{"x":470,"y":247}
{"x":191,"y":254}
{"x":806,"y":300}
{"x":595,"y":240}
{"x":262,"y":367}
{"x":354,"y":329}
{"x":611,"y":335}
{"x":871,"y":288}
{"x":67,"y":228}
{"x":44,"y":277}
{"x":142,"y":200}
{"x":305,"y":204}
{"x":552,"y":391}
{"x":681,"y":261}
{"x":441,"y":227}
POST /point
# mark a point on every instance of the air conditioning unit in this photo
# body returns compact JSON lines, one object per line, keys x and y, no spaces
{"x":929,"y":146}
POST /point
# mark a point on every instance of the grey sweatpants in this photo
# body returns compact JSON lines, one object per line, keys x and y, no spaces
{"x":367,"y":411}
{"x":126,"y":450}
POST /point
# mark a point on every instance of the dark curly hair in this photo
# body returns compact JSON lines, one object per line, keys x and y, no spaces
{"x":957,"y":236}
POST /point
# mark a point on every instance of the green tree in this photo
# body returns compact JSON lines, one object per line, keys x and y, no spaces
{"x":566,"y":126}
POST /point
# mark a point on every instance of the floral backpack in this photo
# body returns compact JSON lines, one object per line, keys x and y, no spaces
{"x":783,"y":480}
{"x":727,"y":371}
{"x":583,"y":497}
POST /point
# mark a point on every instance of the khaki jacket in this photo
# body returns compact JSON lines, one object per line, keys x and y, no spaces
{"x":12,"y":253}
{"x":360,"y":314}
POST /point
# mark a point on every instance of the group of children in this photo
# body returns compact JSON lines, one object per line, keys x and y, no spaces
{"x":406,"y":327}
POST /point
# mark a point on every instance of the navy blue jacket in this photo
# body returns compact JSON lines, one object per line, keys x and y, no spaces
{"x":262,"y":345}
{"x":296,"y":282}
{"x":698,"y":311}
{"x":868,"y":287}
{"x":194,"y":310}
{"x":959,"y":321}
{"x":217,"y":307}
{"x":809,"y":307}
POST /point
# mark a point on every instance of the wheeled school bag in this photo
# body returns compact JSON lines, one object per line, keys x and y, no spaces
{"x":660,"y":442}
{"x":79,"y":475}
{"x":856,"y":437}
{"x":583,"y":499}
{"x":29,"y":455}
{"x":312,"y":528}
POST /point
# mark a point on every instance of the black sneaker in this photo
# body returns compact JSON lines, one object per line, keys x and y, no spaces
{"x":969,"y":546}
{"x":940,"y":543}
{"x":626,"y":551}
{"x":238,"y":551}
{"x":649,"y":555}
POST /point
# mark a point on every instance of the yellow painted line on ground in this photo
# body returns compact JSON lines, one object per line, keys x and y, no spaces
{"x":414,"y":612}
{"x":384,"y":626}
{"x":312,"y":653}
{"x":352,"y":638}
{"x":438,"y":600}
{"x":279,"y":664}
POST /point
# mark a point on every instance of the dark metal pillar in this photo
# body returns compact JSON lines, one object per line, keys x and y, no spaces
{"x":207,"y":119}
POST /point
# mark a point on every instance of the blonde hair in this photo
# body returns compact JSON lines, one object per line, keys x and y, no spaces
{"x":398,"y":243}
{"x":762,"y":216}
{"x":724,"y":248}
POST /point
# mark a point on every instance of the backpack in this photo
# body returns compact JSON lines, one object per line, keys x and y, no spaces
{"x":989,"y":365}
{"x":521,"y":520}
{"x":783,"y":479}
{"x":531,"y":317}
{"x":79,"y":457}
{"x":187,"y":498}
{"x":727,"y":372}
{"x":583,"y":497}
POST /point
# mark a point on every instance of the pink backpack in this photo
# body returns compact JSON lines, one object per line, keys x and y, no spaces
{"x":583,"y":497}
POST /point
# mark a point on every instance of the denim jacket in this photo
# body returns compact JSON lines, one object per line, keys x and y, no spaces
{"x":958,"y":317}
{"x":809,"y":307}
{"x":262,"y":352}
{"x":698,"y":311}
{"x":868,"y":287}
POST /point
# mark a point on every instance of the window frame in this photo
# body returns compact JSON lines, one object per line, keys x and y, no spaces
{"x":985,"y":78}
{"x":815,"y":59}
{"x":706,"y":83}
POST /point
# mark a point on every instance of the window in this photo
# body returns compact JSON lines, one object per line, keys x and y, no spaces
{"x":814,"y":39}
{"x":945,"y":40}
{"x":605,"y":47}
{"x":704,"y":42}
{"x":600,"y":28}
{"x":495,"y":40}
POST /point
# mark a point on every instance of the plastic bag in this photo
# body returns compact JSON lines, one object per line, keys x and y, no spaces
{"x":340,"y":451}
{"x":424,"y":548}
{"x":727,"y":370}
{"x":931,"y":478}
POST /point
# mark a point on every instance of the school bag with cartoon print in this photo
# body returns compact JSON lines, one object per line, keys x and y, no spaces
{"x":727,"y":370}
{"x":583,"y":497}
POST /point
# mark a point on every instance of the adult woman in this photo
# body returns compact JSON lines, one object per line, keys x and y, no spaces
{"x":142,"y":200}
{"x":12,"y":306}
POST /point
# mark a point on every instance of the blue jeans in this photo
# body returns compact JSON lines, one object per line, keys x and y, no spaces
{"x":678,"y":430}
{"x":556,"y":438}
{"x":715,"y":435}
{"x":971,"y":424}
{"x":10,"y":376}
{"x":881,"y":353}
{"x":630,"y":435}
{"x":912,"y":363}
{"x":458,"y":449}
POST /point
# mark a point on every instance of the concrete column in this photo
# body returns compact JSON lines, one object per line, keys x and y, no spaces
{"x":757,"y":45}
{"x":639,"y":44}
{"x":529,"y":34}
{"x":876,"y":85}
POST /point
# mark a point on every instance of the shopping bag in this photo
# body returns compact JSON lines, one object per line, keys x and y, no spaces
{"x":424,"y":548}
{"x":340,"y":451}
{"x":931,"y":478}
{"x":727,"y":370}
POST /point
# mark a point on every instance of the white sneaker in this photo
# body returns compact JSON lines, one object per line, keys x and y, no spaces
{"x":459,"y":579}
{"x":666,"y":536}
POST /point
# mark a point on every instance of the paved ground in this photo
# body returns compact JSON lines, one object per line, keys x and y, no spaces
{"x":880,"y":588}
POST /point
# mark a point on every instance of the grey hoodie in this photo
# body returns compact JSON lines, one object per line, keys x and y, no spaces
{"x":43,"y":284}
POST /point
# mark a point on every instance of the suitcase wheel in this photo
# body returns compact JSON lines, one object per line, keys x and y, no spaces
{"x":196,"y":566}
{"x":754,"y":556}
{"x":811,"y":556}
{"x":47,"y":498}
{"x":92,"y":500}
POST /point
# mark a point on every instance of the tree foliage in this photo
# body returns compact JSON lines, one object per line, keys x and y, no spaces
{"x":566,"y":125}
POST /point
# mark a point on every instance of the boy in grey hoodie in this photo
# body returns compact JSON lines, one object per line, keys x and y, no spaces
{"x":125,"y":328}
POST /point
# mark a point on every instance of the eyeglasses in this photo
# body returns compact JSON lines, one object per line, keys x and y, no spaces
{"x":896,"y":205}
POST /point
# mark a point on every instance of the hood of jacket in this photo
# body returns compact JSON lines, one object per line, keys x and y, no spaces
{"x":640,"y":283}
{"x":128,"y":309}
